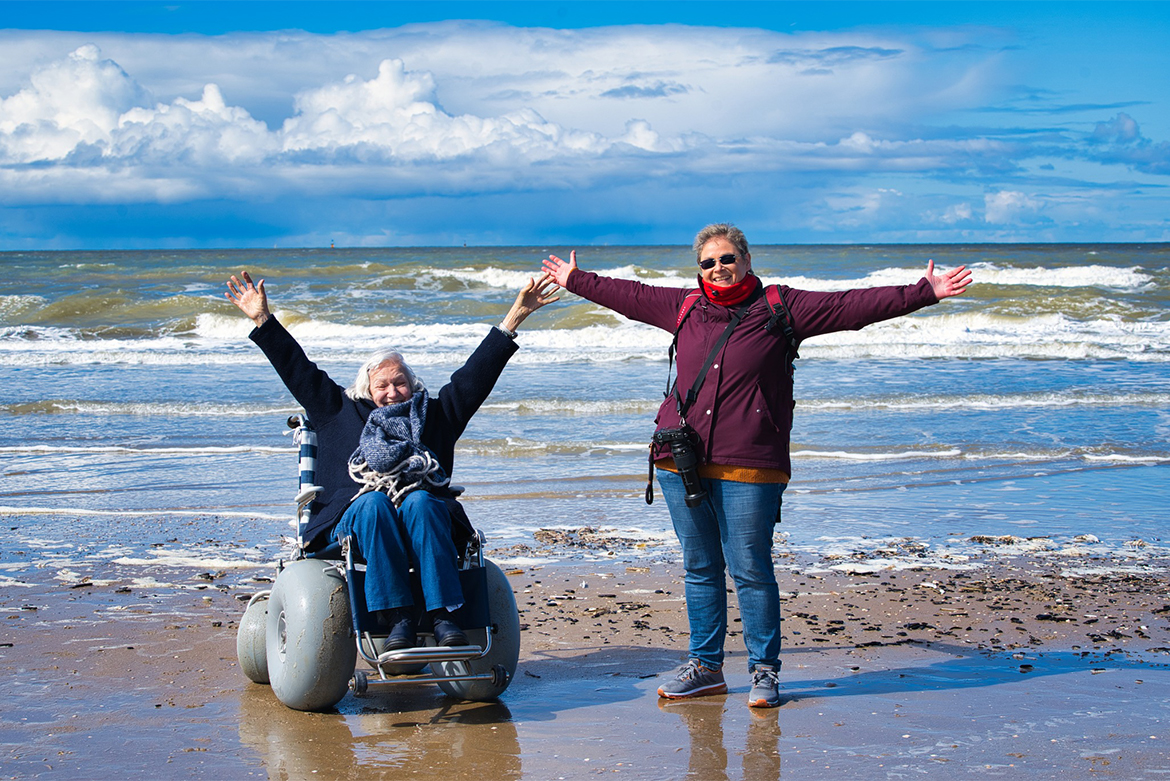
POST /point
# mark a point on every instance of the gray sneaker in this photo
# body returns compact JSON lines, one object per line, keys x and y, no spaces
{"x":693,"y":680}
{"x":765,"y":691}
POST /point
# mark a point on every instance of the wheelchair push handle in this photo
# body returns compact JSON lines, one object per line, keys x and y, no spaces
{"x":306,"y":439}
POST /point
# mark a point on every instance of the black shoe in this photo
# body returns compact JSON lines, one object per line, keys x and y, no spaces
{"x":402,"y":631}
{"x":447,"y":632}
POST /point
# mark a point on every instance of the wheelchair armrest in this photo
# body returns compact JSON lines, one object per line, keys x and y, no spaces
{"x":307,"y":494}
{"x":330,"y":551}
{"x":456,"y":490}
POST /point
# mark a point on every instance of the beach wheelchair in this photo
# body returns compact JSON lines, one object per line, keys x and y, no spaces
{"x":304,"y":636}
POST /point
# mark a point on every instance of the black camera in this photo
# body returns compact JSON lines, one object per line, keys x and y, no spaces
{"x":684,"y":449}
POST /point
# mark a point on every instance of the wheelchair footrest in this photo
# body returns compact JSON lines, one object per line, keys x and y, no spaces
{"x":429,"y":654}
{"x":361,"y":682}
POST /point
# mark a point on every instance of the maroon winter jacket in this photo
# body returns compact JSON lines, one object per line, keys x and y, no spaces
{"x":743,"y":412}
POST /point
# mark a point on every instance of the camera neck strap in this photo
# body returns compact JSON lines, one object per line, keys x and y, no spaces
{"x":737,"y":315}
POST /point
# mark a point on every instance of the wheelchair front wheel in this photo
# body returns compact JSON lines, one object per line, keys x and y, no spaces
{"x":504,"y":656}
{"x":311,"y":652}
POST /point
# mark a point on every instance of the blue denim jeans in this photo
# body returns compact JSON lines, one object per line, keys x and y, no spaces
{"x":731,"y":531}
{"x":394,"y":539}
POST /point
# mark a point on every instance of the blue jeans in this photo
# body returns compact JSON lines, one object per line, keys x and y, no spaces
{"x":394,"y":539}
{"x":730,"y":531}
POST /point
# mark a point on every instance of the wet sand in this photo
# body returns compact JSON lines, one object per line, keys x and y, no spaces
{"x":1008,"y":669}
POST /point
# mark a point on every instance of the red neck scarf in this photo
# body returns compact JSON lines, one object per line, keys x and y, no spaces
{"x":732,"y":294}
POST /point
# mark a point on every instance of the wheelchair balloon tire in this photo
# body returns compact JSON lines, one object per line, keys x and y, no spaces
{"x":310,"y":647}
{"x":251,"y":644}
{"x":504,"y":656}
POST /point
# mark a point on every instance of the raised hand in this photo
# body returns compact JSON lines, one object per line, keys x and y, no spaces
{"x":249,"y":297}
{"x":949,"y":283}
{"x":558,"y":269}
{"x":536,"y":293}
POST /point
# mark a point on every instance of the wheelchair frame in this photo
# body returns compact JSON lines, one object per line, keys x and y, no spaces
{"x":471,"y":671}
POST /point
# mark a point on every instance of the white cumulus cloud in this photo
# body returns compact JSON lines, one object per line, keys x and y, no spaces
{"x":200,"y":132}
{"x":88,"y":111}
{"x":1008,"y":207}
{"x":396,"y":114}
{"x":74,"y":101}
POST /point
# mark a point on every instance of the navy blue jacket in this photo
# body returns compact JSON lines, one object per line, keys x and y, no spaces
{"x":339,"y":420}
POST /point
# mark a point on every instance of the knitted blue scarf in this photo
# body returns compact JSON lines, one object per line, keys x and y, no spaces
{"x":390,"y":445}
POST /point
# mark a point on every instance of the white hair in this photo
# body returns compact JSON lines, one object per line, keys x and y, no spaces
{"x":721,"y":230}
{"x":361,"y":384}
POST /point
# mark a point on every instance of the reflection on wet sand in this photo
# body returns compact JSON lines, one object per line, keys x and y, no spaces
{"x":761,"y":754}
{"x":573,"y":714}
{"x":413,"y":731}
{"x":703,"y":719}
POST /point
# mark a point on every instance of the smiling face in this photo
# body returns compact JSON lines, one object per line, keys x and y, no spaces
{"x":719,"y":274}
{"x":389,"y":384}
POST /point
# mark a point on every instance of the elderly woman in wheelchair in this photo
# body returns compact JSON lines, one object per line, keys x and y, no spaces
{"x":377,"y":511}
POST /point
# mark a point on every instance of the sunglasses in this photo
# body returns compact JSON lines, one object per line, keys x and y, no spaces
{"x":724,"y":260}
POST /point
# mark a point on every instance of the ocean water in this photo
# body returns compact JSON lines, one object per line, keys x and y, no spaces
{"x":142,"y":433}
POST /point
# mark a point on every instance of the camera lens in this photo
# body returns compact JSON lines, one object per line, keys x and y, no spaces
{"x":686,"y":460}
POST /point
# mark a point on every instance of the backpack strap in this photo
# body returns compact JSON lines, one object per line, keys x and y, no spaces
{"x":688,"y":303}
{"x":737,"y":316}
{"x":782,"y":319}
{"x":684,"y":309}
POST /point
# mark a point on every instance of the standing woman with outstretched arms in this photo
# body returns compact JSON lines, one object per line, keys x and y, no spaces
{"x":721,"y":442}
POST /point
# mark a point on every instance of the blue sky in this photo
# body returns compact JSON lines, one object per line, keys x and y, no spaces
{"x":259,"y":124}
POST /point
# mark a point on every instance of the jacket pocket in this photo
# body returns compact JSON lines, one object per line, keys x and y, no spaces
{"x":763,"y":409}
